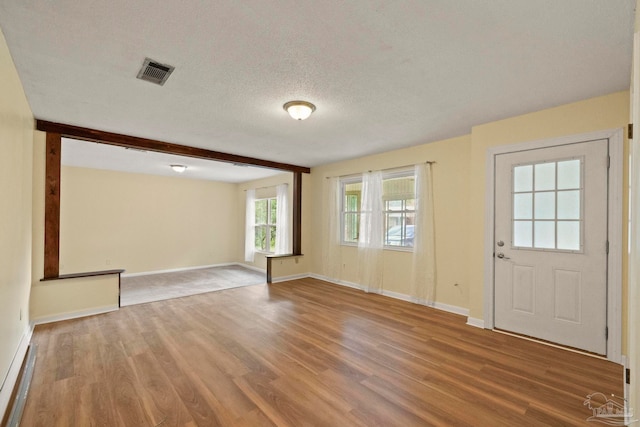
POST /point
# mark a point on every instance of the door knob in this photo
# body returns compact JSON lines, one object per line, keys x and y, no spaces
{"x":501,"y":256}
{"x":500,"y":243}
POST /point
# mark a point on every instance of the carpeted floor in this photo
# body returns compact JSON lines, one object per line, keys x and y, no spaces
{"x":156,"y":287}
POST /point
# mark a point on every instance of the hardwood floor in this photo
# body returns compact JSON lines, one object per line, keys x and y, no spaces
{"x":302,"y":353}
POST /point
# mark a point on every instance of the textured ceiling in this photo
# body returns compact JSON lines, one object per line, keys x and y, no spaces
{"x":383,"y":74}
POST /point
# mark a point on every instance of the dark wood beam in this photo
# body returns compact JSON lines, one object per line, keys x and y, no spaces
{"x":297,"y":213}
{"x":120,"y":140}
{"x":52,"y":206}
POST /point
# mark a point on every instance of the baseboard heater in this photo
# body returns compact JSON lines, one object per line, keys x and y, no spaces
{"x":23,"y":389}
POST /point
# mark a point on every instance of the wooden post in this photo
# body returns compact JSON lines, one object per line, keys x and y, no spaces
{"x":297,"y":213}
{"x":52,"y":206}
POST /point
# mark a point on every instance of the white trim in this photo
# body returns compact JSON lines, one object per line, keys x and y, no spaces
{"x":336,"y":281}
{"x":614,"y":269}
{"x":614,"y":260}
{"x":451,"y":309}
{"x":396,"y":295}
{"x":475,"y":322}
{"x":291,"y":277}
{"x":14,"y":370}
{"x":175,"y":270}
{"x":75,"y":314}
{"x":250,"y":267}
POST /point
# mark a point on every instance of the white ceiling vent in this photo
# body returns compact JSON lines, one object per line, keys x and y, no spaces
{"x":155,"y":72}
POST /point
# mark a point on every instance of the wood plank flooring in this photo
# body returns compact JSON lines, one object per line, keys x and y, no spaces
{"x":302,"y":353}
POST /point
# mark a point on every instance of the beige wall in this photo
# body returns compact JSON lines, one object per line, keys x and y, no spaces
{"x":144,"y":223}
{"x":459,"y":193}
{"x":16,"y":144}
{"x":68,"y":298}
{"x":451,"y":194}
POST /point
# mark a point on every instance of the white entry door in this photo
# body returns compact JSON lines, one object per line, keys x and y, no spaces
{"x":550,"y":240}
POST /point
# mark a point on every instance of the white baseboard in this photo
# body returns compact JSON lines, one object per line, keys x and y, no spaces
{"x":396,"y":295}
{"x":336,"y":282}
{"x":175,"y":270}
{"x":14,"y":371}
{"x":251,"y":267}
{"x":451,"y":308}
{"x":475,"y":322}
{"x":287,"y":278}
{"x":75,"y":314}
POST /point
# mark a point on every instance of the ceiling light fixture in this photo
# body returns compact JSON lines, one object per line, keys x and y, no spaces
{"x":179,"y":168}
{"x":299,"y":110}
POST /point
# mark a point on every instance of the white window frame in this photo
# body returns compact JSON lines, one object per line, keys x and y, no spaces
{"x":344,"y":181}
{"x":266,"y":226}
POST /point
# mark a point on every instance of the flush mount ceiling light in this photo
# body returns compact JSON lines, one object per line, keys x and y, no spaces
{"x":179,"y":168}
{"x":299,"y":110}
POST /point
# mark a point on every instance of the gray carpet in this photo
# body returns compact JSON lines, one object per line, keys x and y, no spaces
{"x":156,"y":287}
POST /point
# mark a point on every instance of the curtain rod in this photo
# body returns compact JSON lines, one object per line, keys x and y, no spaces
{"x":429,"y":162}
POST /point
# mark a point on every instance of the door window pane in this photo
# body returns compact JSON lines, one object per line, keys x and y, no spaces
{"x":568,"y":174}
{"x":545,"y":205}
{"x":544,"y":235}
{"x":569,"y":235}
{"x":545,"y":176}
{"x":523,"y":178}
{"x":522,"y":233}
{"x":523,"y":206}
{"x":569,"y":204}
{"x":550,"y":194}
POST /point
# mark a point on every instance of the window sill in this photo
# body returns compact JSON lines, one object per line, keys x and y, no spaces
{"x":265,"y":253}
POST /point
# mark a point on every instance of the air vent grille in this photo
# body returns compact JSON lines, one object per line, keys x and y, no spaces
{"x":155,"y":72}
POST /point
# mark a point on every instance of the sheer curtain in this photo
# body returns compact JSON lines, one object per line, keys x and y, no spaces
{"x":283,"y":229}
{"x":370,"y":233}
{"x":423,"y":277}
{"x":331,"y":233}
{"x":250,"y":229}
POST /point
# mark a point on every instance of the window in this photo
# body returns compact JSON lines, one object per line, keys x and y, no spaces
{"x":547,"y":205}
{"x":399,"y":209}
{"x":265,"y":224}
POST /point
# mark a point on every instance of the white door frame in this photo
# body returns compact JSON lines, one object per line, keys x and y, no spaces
{"x":614,"y":228}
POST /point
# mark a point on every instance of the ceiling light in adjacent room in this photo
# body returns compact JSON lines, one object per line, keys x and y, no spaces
{"x":179,"y":168}
{"x":299,"y":110}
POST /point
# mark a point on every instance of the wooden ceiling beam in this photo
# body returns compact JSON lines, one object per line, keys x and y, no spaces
{"x":121,"y":140}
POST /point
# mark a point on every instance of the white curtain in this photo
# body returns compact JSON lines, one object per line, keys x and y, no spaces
{"x":371,"y":234}
{"x":283,"y":228}
{"x":331,"y":234}
{"x":423,"y":277}
{"x":250,"y":229}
